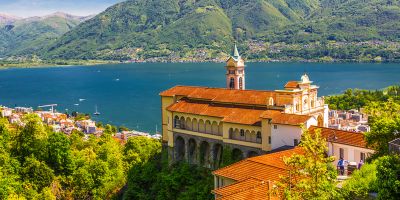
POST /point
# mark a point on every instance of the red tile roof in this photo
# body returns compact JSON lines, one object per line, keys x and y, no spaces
{"x":265,"y":167}
{"x":283,"y":118}
{"x":292,"y":84}
{"x":259,"y":191}
{"x":229,"y":114}
{"x":341,"y":137}
{"x":251,"y":97}
{"x":235,"y":114}
{"x":253,"y":176}
{"x":238,"y":186}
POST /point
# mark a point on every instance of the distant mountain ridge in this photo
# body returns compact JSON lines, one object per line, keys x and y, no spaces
{"x":25,"y":36}
{"x":145,"y":29}
{"x":5,"y":18}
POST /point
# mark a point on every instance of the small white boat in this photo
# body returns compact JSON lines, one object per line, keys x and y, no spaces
{"x":82,"y":100}
{"x":77,"y":104}
{"x":96,"y":112}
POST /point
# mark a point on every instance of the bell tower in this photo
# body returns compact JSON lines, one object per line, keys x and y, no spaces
{"x":235,"y":75}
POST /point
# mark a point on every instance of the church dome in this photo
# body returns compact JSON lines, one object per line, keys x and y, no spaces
{"x":305,"y":79}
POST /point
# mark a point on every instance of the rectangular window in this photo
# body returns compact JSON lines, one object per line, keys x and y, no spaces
{"x":341,"y":153}
{"x":275,"y":126}
{"x":362,"y":156}
{"x":231,"y":71}
{"x":295,"y":142}
{"x":269,"y":139}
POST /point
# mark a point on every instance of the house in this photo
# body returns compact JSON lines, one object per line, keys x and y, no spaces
{"x":350,"y":146}
{"x":6,"y":112}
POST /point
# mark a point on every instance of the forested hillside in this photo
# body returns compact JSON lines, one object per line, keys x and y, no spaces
{"x":27,"y":36}
{"x":354,"y":30}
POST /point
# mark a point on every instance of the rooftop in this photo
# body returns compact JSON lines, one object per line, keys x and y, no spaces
{"x":250,"y":97}
{"x":266,"y":167}
{"x":237,"y":115}
{"x":341,"y":137}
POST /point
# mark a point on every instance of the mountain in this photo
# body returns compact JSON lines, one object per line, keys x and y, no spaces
{"x":144,"y":29}
{"x":161,"y":26}
{"x":28,"y":35}
{"x":5,"y":18}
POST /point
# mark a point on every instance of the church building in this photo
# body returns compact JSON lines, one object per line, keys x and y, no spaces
{"x":199,"y":122}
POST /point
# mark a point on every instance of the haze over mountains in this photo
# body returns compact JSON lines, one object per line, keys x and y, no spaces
{"x":154,"y":28}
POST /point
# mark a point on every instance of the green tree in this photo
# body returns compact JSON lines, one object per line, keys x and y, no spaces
{"x":60,"y":154}
{"x":140,"y":150}
{"x":361,"y":183}
{"x":311,"y":175}
{"x":385,"y":126}
{"x":37,"y":173}
{"x":388,"y":175}
{"x":31,"y":141}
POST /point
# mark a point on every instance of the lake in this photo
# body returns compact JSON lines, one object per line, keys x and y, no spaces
{"x":127,"y":94}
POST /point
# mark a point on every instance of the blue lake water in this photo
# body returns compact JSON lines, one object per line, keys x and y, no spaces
{"x":127,"y":94}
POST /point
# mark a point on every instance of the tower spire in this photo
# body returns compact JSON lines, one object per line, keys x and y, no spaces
{"x":236,"y":54}
{"x":235,"y":75}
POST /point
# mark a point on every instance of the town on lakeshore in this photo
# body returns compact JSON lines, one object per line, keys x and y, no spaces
{"x":67,"y":123}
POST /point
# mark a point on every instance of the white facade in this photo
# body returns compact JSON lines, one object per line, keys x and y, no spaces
{"x":350,"y":153}
{"x":285,"y":135}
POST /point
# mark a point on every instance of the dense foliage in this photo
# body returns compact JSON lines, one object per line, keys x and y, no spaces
{"x":388,"y":174}
{"x":156,"y":180}
{"x":385,"y":126}
{"x":356,"y":99}
{"x":361,"y":183}
{"x":36,"y":163}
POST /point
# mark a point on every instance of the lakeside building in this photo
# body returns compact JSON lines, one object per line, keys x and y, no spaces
{"x":254,"y":178}
{"x":198,"y":122}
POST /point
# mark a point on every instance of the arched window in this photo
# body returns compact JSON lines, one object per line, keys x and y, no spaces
{"x":258,"y":135}
{"x":177,"y":123}
{"x":231,"y":133}
{"x":240,"y":83}
{"x":271,"y":101}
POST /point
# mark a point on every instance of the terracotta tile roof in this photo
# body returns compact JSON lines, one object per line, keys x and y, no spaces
{"x":252,"y":97}
{"x":283,"y":118}
{"x":342,"y":137}
{"x":235,"y":114}
{"x":228,"y":114}
{"x":292,"y":84}
{"x":276,"y":159}
{"x":257,"y":192}
{"x":238,"y":186}
{"x":267,"y":167}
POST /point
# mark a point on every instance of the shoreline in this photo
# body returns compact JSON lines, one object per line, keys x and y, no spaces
{"x":27,"y":65}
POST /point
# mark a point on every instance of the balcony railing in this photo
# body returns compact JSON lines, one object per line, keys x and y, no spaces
{"x":246,"y":139}
{"x":204,"y":131}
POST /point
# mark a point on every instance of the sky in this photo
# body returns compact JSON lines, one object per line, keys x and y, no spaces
{"x":29,"y":8}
